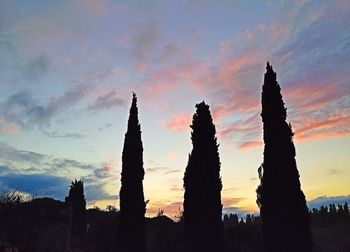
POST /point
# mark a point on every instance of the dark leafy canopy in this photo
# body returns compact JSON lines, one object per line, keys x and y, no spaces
{"x":77,"y":199}
{"x":202,"y":183}
{"x":132,"y":202}
{"x":279,"y":194}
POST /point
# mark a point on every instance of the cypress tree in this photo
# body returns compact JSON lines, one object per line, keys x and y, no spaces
{"x":77,"y":199}
{"x":285,"y":216}
{"x":132,"y":202}
{"x":202,"y":184}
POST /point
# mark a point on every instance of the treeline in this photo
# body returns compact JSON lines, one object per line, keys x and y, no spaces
{"x":325,"y":215}
{"x":331,"y":214}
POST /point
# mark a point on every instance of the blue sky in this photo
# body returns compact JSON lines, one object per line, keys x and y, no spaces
{"x":67,"y":70}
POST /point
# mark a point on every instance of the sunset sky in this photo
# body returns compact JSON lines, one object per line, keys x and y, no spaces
{"x":68,"y":69}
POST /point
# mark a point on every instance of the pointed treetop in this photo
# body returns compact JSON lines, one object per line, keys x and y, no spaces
{"x":269,"y":66}
{"x":134,"y":99}
{"x":202,"y":105}
{"x":270,"y":76}
{"x":133,"y":122}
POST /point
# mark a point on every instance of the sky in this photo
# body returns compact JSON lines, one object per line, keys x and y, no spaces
{"x":68,"y":70}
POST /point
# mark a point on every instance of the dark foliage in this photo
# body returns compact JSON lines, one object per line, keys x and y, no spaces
{"x":39,"y":225}
{"x":132,"y":202}
{"x":103,"y":228}
{"x":279,"y":194}
{"x":77,"y":200}
{"x":202,"y":184}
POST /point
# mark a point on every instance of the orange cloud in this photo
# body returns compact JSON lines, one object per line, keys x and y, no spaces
{"x":250,"y":145}
{"x":170,"y":209}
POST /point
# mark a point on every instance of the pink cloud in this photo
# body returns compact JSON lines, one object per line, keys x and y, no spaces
{"x":179,"y":122}
{"x":167,"y":79}
{"x":109,"y":165}
{"x":163,"y":170}
{"x":324,"y":128}
{"x":313,"y":96}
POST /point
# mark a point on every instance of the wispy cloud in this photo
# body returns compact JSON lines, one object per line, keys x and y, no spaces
{"x":162,"y":170}
{"x":107,"y":102}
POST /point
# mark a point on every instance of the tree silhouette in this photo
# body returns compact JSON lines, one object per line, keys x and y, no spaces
{"x":76,"y":198}
{"x":279,"y":194}
{"x":132,"y":203}
{"x":202,"y":184}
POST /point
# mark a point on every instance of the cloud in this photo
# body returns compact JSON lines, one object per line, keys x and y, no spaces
{"x":326,"y":200}
{"x":145,"y":40}
{"x":162,"y":169}
{"x":9,"y":153}
{"x":107,"y":102}
{"x":335,"y":171}
{"x":37,"y":184}
{"x":323,"y":127}
{"x":46,"y":185}
{"x":228,"y":202}
{"x":56,"y":134}
{"x":23,"y":110}
{"x":36,"y":67}
{"x":23,"y":161}
{"x":179,"y":122}
{"x":37,"y":173}
{"x":95,"y":192}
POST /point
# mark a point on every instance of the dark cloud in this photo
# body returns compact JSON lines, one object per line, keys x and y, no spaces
{"x":325,"y":201}
{"x":48,"y":176}
{"x":107,"y":102}
{"x":37,"y":184}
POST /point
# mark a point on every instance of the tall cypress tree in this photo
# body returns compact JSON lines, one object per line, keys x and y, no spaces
{"x":132,"y":202}
{"x":202,"y":184}
{"x":77,"y":199}
{"x":285,"y":217}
